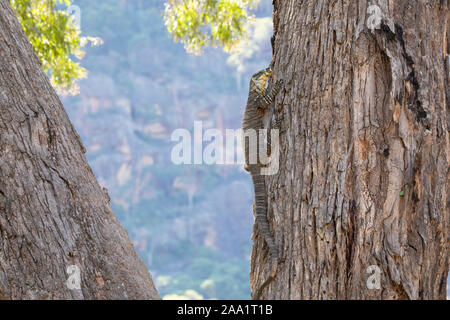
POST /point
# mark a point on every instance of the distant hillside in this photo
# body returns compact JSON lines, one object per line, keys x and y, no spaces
{"x":190,"y":224}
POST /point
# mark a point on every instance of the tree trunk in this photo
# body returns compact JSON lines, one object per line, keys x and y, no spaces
{"x":54,"y":216}
{"x":362,"y":186}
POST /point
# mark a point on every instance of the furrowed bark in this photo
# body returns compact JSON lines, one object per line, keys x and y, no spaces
{"x":53,"y":212}
{"x":364,"y":158}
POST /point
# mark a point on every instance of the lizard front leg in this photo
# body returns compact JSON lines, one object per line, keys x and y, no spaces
{"x":268,"y":96}
{"x":277,"y":125}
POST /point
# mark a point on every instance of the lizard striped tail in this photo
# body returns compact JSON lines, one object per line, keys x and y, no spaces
{"x":261,"y":210}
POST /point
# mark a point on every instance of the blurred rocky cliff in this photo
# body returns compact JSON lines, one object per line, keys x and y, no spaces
{"x":190,"y":224}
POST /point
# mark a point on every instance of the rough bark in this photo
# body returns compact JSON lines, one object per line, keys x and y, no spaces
{"x":364,"y":158}
{"x":53,"y":213}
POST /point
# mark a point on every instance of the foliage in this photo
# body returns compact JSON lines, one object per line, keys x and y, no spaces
{"x":200,"y":23}
{"x":55,"y":38}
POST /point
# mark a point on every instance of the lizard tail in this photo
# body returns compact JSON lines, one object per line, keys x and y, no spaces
{"x":261,"y":211}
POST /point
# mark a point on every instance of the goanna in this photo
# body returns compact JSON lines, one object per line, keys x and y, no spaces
{"x":259,"y":100}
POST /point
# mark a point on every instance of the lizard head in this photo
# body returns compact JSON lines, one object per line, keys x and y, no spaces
{"x":260,"y":78}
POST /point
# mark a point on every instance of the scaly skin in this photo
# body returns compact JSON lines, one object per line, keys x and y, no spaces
{"x":259,"y":99}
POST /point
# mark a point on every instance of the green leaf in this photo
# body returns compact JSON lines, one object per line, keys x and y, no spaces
{"x":55,"y":39}
{"x":200,"y":23}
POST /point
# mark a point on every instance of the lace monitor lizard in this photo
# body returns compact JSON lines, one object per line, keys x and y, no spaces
{"x":259,"y":100}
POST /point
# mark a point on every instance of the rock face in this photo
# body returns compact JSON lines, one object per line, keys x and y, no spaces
{"x":141,"y":88}
{"x":59,"y":238}
{"x":363,"y":182}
